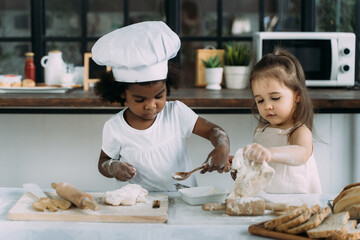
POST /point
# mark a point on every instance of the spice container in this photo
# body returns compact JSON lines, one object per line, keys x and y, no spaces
{"x":29,"y":66}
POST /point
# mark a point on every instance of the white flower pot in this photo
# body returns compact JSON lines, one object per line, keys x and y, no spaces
{"x":237,"y":77}
{"x":213,"y":78}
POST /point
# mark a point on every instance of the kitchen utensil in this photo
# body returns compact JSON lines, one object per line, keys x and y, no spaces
{"x":44,"y":201}
{"x":203,"y":194}
{"x":138,"y":213}
{"x":245,"y":206}
{"x":180,"y":186}
{"x":74,"y":195}
{"x":179,"y":176}
{"x":260,"y":230}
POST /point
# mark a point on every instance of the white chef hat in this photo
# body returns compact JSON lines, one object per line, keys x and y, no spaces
{"x":138,"y":52}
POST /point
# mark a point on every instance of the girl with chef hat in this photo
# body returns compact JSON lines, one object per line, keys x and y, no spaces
{"x":145,"y":142}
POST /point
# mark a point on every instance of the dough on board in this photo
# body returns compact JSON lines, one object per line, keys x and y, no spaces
{"x":128,"y":195}
{"x":251,"y":177}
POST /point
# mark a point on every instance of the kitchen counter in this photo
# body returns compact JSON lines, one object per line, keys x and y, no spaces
{"x":339,"y":100}
{"x":184,"y":222}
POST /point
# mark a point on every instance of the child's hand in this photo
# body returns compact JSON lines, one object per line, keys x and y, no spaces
{"x":218,"y":159}
{"x":257,"y":153}
{"x":122,"y":171}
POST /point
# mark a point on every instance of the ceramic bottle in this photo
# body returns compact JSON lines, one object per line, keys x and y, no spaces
{"x":54,"y":66}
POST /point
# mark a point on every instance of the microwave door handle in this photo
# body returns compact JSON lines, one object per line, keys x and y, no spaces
{"x":334,"y":59}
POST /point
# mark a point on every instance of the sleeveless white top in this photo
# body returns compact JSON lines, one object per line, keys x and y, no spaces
{"x":288,"y":179}
{"x":157,"y":151}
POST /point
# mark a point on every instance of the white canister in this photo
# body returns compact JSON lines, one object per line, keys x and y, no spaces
{"x":54,"y":66}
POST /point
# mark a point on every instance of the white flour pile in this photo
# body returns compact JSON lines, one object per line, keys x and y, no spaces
{"x":251,"y":177}
{"x":128,"y":195}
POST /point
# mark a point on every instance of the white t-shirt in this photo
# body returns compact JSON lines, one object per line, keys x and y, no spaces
{"x":288,"y":179}
{"x":156,"y":152}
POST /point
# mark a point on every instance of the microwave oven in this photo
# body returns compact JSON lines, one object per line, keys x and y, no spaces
{"x":328,"y":58}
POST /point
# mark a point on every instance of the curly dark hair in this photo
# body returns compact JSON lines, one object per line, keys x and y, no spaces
{"x":112,"y":91}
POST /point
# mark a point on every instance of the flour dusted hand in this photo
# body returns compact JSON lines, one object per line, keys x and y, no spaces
{"x":122,"y":171}
{"x":217,"y":160}
{"x":257,"y":153}
{"x":128,"y":195}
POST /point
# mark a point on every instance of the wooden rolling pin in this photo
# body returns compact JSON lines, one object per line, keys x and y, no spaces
{"x":74,"y":195}
{"x":244,"y":206}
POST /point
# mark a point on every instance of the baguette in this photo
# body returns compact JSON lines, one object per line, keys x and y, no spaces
{"x":313,"y":222}
{"x":272,"y":224}
{"x":334,"y":225}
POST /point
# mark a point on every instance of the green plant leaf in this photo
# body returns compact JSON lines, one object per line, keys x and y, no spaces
{"x":212,"y":62}
{"x":237,"y":54}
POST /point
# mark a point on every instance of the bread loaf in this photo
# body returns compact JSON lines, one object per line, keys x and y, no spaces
{"x":351,"y":185}
{"x":354,"y":211}
{"x":272,"y":224}
{"x":294,"y":222}
{"x":352,"y":232}
{"x":313,"y":222}
{"x":335,"y":224}
{"x":349,"y":197}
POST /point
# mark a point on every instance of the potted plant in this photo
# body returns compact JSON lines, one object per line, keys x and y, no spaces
{"x":213,"y":72}
{"x":237,"y":60}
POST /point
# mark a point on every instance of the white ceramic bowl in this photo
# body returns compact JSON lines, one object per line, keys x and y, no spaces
{"x":204,"y":194}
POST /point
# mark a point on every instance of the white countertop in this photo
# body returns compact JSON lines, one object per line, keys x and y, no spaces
{"x":184,"y":222}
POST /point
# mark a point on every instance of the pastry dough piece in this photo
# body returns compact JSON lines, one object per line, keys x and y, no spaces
{"x":28,"y":83}
{"x":16,"y":84}
{"x":251,"y":177}
{"x":128,"y":195}
{"x":5,"y":84}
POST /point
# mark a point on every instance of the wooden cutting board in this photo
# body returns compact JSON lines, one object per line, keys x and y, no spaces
{"x":260,"y":230}
{"x":140,"y":212}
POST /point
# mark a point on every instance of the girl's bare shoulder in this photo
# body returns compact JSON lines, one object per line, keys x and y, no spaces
{"x":301,"y":133}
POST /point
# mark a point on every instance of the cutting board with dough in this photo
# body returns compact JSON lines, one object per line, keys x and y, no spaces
{"x":139,"y":213}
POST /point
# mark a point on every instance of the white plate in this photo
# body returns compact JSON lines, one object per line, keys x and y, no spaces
{"x":204,"y":194}
{"x":34,"y":89}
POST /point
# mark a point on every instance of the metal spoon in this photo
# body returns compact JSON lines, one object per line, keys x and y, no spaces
{"x":179,"y":176}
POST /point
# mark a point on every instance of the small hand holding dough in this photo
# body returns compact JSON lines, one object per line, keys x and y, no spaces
{"x":257,"y":153}
{"x":51,"y":204}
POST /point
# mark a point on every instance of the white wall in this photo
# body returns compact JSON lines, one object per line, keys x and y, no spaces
{"x":45,"y":148}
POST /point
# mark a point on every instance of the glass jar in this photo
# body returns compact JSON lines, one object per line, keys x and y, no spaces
{"x":29,"y":66}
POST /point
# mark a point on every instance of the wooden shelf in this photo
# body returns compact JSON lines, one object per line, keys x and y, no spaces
{"x":201,"y":100}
